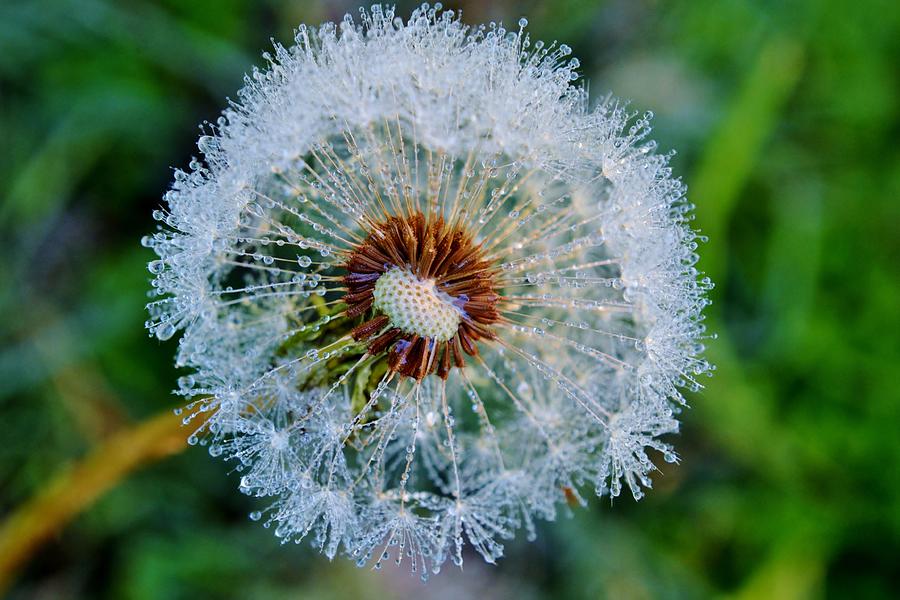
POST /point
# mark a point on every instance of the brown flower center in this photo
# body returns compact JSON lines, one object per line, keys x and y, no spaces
{"x":427,"y":290}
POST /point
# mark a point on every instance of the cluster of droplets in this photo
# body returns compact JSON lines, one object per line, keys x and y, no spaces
{"x":599,"y":299}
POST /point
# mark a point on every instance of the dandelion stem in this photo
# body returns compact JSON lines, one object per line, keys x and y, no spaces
{"x":76,"y":487}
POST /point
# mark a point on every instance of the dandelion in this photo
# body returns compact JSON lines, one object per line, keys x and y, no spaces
{"x":427,"y":294}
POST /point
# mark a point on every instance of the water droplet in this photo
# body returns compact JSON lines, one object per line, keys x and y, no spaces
{"x":164,"y":331}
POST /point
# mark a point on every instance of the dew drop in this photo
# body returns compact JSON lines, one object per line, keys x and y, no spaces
{"x":164,"y":332}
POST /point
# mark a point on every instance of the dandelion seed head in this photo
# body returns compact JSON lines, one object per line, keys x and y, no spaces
{"x":428,"y":295}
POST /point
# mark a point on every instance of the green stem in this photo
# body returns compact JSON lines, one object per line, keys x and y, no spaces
{"x":76,"y":487}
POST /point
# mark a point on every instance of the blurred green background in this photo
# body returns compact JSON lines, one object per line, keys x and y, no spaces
{"x":786,"y":116}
